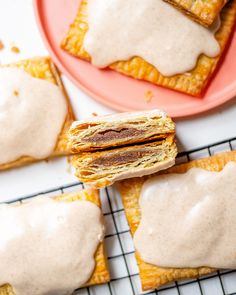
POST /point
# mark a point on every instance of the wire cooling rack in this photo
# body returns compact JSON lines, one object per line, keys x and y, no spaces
{"x":120,"y":251}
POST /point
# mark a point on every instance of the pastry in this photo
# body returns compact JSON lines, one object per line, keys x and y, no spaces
{"x":100,"y":274}
{"x":103,"y":168}
{"x":204,"y":12}
{"x":191,"y":82}
{"x":122,"y":129}
{"x":44,"y":69}
{"x":125,"y":145}
{"x":153,"y":276}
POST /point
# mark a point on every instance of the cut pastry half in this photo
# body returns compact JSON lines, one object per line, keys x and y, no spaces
{"x":43,"y":69}
{"x":119,"y":146}
{"x":103,"y":168}
{"x":119,"y":129}
{"x":192,"y":82}
{"x":204,"y":12}
{"x":153,"y":276}
{"x":100,"y":274}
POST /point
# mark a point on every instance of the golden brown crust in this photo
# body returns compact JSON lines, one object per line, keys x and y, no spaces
{"x":101,"y":273}
{"x":204,"y":12}
{"x":43,"y":68}
{"x":153,"y":276}
{"x":192,"y":83}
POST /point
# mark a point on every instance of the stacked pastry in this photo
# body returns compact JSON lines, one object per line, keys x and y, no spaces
{"x":115,"y":147}
{"x":204,"y":12}
{"x":159,"y":43}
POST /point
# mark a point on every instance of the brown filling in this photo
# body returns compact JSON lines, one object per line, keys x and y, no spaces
{"x":109,"y":135}
{"x":123,"y":158}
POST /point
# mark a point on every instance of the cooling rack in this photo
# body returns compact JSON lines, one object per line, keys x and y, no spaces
{"x":120,"y":250}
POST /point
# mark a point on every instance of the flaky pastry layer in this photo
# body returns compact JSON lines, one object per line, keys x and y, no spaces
{"x":103,"y":168}
{"x":101,"y":273}
{"x":193,"y":82}
{"x":204,"y":12}
{"x":43,"y":68}
{"x":153,"y":276}
{"x":119,"y":130}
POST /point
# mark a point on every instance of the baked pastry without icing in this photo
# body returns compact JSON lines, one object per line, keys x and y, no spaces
{"x":120,"y":146}
{"x":121,"y":129}
{"x":43,"y":68}
{"x":193,"y":82}
{"x":204,"y":12}
{"x":101,"y":273}
{"x":153,"y":276}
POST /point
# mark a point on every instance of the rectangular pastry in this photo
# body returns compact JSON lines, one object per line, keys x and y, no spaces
{"x":100,"y":273}
{"x":43,"y":69}
{"x":153,"y":276}
{"x":122,"y":129}
{"x":119,"y":146}
{"x":204,"y":12}
{"x":192,"y":82}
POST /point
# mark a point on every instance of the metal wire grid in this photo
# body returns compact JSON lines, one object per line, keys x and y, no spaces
{"x":120,"y":250}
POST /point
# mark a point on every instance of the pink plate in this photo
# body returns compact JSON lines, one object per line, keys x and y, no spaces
{"x":120,"y":92}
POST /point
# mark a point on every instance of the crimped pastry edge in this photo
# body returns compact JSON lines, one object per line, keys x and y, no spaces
{"x":193,"y":83}
{"x":200,"y":16}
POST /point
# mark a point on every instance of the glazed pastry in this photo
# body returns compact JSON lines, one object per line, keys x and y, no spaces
{"x":154,"y":276}
{"x":64,"y":209}
{"x":204,"y":12}
{"x":119,"y":129}
{"x":120,"y":146}
{"x":31,"y":141}
{"x":170,"y":72}
{"x":188,"y":206}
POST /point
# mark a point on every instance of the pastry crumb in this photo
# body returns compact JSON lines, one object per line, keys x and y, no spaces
{"x":1,"y":45}
{"x":69,"y":167}
{"x":148,"y":96}
{"x":94,"y":114}
{"x":15,"y":49}
{"x":16,"y":93}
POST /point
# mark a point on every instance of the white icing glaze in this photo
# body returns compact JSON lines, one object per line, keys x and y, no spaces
{"x":151,"y":29}
{"x":189,"y":220}
{"x":32,"y":113}
{"x":48,"y":246}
